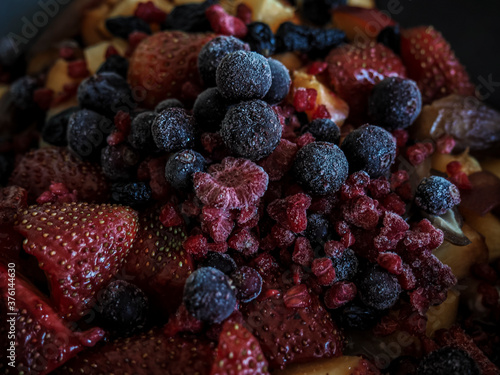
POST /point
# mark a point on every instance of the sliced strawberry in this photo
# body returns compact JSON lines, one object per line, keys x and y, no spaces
{"x":150,"y":353}
{"x":431,"y":62}
{"x":354,"y":69}
{"x":238,"y":352}
{"x":80,"y":247}
{"x":42,"y":341}
{"x":163,"y":62}
{"x":157,"y":262}
{"x":39,"y":168}
{"x":290,"y":335}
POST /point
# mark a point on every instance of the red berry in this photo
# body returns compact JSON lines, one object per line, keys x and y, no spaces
{"x":340,"y":294}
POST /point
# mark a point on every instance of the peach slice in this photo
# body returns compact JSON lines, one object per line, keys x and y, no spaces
{"x":58,"y":77}
{"x":443,"y":315}
{"x":488,"y":225}
{"x":469,"y":163}
{"x":344,"y":365}
{"x":359,"y":23}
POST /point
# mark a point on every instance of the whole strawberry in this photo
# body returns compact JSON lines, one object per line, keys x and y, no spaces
{"x":80,"y":247}
{"x":430,"y":61}
{"x":163,"y":62}
{"x":354,"y":69}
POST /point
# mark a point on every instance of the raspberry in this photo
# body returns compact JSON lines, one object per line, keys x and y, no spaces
{"x":304,"y":140}
{"x":265,"y":264}
{"x":218,"y":247}
{"x":379,"y":188}
{"x":391,"y":262}
{"x":362,"y":212}
{"x":244,"y":13}
{"x":445,"y":144}
{"x":340,"y":294}
{"x":196,"y":246}
{"x":423,"y":236}
{"x":407,"y":279}
{"x":304,"y":99}
{"x":150,"y":13}
{"x":401,"y":137}
{"x":323,"y":269}
{"x":217,"y":222}
{"x":355,"y":185}
{"x":417,"y":153}
{"x":235,"y":183}
{"x":247,"y":215}
{"x":317,"y":67}
{"x":58,"y":192}
{"x":291,"y":211}
{"x":78,"y":69}
{"x":393,"y":203}
{"x":244,"y":241}
{"x":225,"y":24}
{"x":321,"y":113}
{"x":393,"y":230}
{"x":302,"y":252}
{"x":67,"y":53}
{"x":169,"y":216}
{"x":398,"y":178}
{"x":297,"y":297}
{"x":281,"y":236}
{"x":386,"y":326}
{"x":280,"y":161}
{"x":334,"y":249}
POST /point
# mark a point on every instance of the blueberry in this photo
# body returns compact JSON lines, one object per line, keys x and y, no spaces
{"x":243,"y":75}
{"x":319,"y":229}
{"x":448,"y":361}
{"x":346,"y":267}
{"x":141,"y":137}
{"x":105,"y":93}
{"x":436,"y":195}
{"x":378,"y":288}
{"x":181,"y":166}
{"x":371,"y":149}
{"x":119,"y":163}
{"x":173,"y":129}
{"x":223,"y":262}
{"x":133,"y":194}
{"x":280,"y":84}
{"x":208,"y":295}
{"x":358,"y":316}
{"x":213,"y":52}
{"x":260,"y":37}
{"x":122,"y":27}
{"x":291,"y":37}
{"x":123,"y":307}
{"x":319,"y":11}
{"x":395,"y":103}
{"x":115,"y":64}
{"x":321,"y":168}
{"x":55,"y":129}
{"x":21,"y":92}
{"x":209,"y":109}
{"x":168,"y":103}
{"x":87,"y":132}
{"x":248,"y":282}
{"x":251,"y":129}
{"x":189,"y":17}
{"x":18,"y":107}
{"x":324,"y":130}
{"x":390,"y":36}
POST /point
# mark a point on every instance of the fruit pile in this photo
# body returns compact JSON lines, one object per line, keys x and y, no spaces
{"x":232,"y":188}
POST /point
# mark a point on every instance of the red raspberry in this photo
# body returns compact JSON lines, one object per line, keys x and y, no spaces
{"x":324,"y":271}
{"x":340,"y":294}
{"x":302,"y":252}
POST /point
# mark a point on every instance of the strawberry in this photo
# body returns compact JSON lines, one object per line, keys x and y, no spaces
{"x":238,"y":352}
{"x":354,"y":69}
{"x":12,"y":198}
{"x":157,"y":262}
{"x":431,"y":62}
{"x":39,"y":168}
{"x":163,"y":62}
{"x":290,"y":334}
{"x":146,"y":354}
{"x":80,"y":247}
{"x":42,"y":340}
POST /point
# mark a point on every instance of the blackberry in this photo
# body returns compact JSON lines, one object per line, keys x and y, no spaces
{"x":291,"y":37}
{"x":324,"y":130}
{"x":395,"y":103}
{"x":371,"y":149}
{"x":346,"y":267}
{"x":181,"y":166}
{"x":436,"y":195}
{"x":189,"y":17}
{"x":319,"y":229}
{"x":168,"y":103}
{"x":133,"y":194}
{"x":243,"y":75}
{"x":378,"y":288}
{"x":280,"y":84}
{"x":248,"y":282}
{"x":390,"y":36}
{"x":115,"y":64}
{"x":122,"y":27}
{"x":208,"y":295}
{"x":448,"y":361}
{"x":251,"y":129}
{"x":123,"y":307}
{"x":260,"y":38}
{"x":358,"y":316}
{"x":140,"y":136}
{"x":209,"y":109}
{"x":223,"y":262}
{"x":55,"y":129}
{"x":213,"y":52}
{"x":319,"y":11}
{"x":119,"y":163}
{"x":321,"y":168}
{"x":105,"y":93}
{"x":173,"y":129}
{"x":87,"y":132}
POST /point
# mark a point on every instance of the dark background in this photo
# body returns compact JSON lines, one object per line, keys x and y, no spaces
{"x":471,"y":26}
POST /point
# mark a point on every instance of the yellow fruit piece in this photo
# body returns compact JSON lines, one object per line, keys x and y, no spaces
{"x":361,"y":3}
{"x":338,"y":109}
{"x":95,"y":55}
{"x":290,"y":60}
{"x":489,"y":226}
{"x":491,"y":165}
{"x":461,"y":258}
{"x":344,"y":365}
{"x":443,"y":315}
{"x":469,"y":163}
{"x":57,"y":77}
{"x":42,"y":60}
